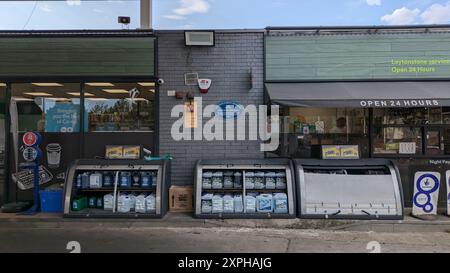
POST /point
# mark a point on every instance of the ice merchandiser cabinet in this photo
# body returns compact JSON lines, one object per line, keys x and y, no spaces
{"x":348,"y":189}
{"x":244,"y":188}
{"x":117,"y":189}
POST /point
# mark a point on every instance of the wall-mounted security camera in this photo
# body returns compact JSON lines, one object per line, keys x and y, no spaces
{"x":124,"y":20}
{"x":160,"y":81}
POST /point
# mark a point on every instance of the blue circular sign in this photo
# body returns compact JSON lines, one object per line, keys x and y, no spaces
{"x":426,"y":185}
{"x":31,"y":154}
{"x":229,"y":110}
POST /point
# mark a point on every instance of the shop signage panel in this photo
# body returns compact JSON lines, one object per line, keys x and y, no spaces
{"x":78,"y":56}
{"x":131,"y":152}
{"x":426,"y":193}
{"x":331,"y":152}
{"x":114,"y":152}
{"x":399,"y":103}
{"x":407,"y":148}
{"x":357,"y":57}
{"x":340,"y":152}
{"x":350,"y":152}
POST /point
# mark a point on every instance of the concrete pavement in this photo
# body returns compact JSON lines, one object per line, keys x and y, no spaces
{"x":215,"y":240}
{"x":182,"y":233}
{"x":176,"y":220}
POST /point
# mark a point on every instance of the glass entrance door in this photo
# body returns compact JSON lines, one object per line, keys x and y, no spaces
{"x":53,"y":110}
{"x":434,"y":141}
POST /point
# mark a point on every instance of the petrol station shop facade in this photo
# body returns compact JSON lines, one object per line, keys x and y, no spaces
{"x":383,"y":89}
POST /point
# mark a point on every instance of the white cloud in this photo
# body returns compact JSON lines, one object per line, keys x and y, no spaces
{"x":98,"y":10}
{"x":73,"y":2}
{"x":45,"y":8}
{"x":401,"y":16}
{"x":436,"y":14}
{"x":192,"y":6}
{"x":174,"y":17}
{"x":373,"y":2}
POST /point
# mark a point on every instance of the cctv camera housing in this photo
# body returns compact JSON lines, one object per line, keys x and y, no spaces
{"x":160,"y":81}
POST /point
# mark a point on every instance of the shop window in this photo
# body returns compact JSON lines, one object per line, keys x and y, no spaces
{"x":398,"y":140}
{"x":412,"y":116}
{"x":120,"y":107}
{"x":47,"y":107}
{"x":412,"y":131}
{"x":304,"y":130}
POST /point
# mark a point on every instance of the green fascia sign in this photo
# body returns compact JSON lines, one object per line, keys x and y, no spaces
{"x":358,"y":57}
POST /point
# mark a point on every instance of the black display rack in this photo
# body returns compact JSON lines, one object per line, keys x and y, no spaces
{"x":241,"y":168}
{"x":75,"y":194}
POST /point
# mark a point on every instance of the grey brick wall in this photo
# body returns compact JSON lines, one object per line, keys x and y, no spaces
{"x":228,"y":65}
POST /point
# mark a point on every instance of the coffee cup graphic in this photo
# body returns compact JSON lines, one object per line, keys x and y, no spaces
{"x":53,"y":155}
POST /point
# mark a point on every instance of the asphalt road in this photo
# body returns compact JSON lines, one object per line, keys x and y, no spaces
{"x":215,"y":240}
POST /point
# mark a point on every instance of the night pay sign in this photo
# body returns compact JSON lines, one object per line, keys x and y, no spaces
{"x":426,"y":193}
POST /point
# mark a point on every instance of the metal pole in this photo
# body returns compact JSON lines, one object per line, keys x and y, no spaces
{"x":146,"y":14}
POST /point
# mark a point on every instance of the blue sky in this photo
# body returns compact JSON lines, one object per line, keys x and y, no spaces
{"x":186,"y":14}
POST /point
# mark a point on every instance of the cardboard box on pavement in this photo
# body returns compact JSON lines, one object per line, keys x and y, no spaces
{"x":181,"y":199}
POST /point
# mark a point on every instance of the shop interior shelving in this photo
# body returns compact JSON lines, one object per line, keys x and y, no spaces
{"x":244,"y":166}
{"x":115,"y":167}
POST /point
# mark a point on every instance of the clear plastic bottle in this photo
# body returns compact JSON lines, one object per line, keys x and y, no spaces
{"x":217,"y":180}
{"x":281,"y":180}
{"x":249,"y":180}
{"x":238,"y":180}
{"x":207,"y":180}
{"x":238,"y":203}
{"x":207,"y":203}
{"x":228,"y":180}
{"x":260,"y":180}
{"x":270,"y":180}
{"x":228,"y":203}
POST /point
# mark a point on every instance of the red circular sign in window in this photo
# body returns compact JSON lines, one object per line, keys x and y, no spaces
{"x":30,"y":139}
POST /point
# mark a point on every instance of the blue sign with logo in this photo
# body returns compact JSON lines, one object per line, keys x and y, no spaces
{"x":229,"y":110}
{"x":426,"y":190}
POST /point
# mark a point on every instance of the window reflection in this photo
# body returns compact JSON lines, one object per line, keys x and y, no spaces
{"x":119,"y":107}
{"x":412,"y":116}
{"x":411,"y":131}
{"x":47,"y":107}
{"x":398,"y":140}
{"x":306,"y":129}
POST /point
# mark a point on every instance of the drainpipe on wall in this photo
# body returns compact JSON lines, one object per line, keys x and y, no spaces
{"x":146,"y":14}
